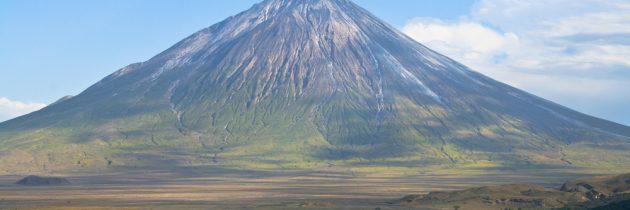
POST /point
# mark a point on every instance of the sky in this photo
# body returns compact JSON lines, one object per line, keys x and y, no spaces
{"x":571,"y":52}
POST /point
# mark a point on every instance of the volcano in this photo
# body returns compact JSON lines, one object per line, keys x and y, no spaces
{"x":302,"y":84}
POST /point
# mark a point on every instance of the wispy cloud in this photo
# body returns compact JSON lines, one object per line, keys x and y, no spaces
{"x":572,"y":52}
{"x":10,"y":109}
{"x":470,"y":41}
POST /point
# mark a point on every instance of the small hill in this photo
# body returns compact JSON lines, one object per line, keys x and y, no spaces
{"x":526,"y":196}
{"x":600,"y":192}
{"x":33,"y":180}
{"x":603,"y":185}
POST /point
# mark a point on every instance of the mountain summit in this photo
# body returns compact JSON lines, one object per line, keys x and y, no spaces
{"x":303,"y":84}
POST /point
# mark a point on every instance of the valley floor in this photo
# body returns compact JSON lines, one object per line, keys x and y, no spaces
{"x":220,"y":188}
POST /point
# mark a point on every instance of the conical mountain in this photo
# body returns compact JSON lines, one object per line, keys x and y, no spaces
{"x":302,"y":84}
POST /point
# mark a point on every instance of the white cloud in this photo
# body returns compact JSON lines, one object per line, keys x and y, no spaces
{"x":568,"y":51}
{"x":466,"y":40}
{"x":10,"y":109}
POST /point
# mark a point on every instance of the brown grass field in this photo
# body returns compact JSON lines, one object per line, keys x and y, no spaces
{"x":220,"y":188}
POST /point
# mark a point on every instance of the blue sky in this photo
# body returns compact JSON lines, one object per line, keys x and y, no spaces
{"x":569,"y":52}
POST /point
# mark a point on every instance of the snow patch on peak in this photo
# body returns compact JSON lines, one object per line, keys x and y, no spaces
{"x":407,"y":75}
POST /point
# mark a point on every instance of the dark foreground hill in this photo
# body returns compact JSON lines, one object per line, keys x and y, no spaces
{"x":33,"y":180}
{"x":304,"y":84}
{"x":601,"y":192}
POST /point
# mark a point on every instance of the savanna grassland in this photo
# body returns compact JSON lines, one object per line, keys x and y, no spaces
{"x":221,"y":188}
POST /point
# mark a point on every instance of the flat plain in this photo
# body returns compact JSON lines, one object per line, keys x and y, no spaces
{"x":221,"y":188}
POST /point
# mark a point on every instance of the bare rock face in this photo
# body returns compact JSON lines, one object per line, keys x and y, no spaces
{"x":33,"y":180}
{"x":304,"y":84}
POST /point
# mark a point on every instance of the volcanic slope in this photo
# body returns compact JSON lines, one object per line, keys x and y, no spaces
{"x":303,"y":84}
